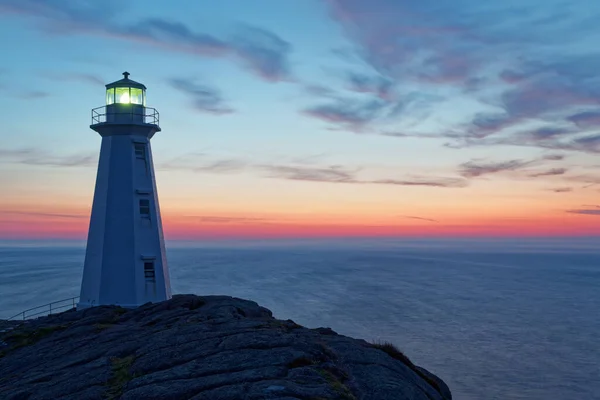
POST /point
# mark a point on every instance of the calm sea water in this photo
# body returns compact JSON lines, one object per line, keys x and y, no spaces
{"x":495,"y":319}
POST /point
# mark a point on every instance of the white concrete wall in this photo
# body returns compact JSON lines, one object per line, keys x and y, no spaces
{"x":119,"y":238}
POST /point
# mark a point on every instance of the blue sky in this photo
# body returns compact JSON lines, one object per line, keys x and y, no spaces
{"x":425,"y":105}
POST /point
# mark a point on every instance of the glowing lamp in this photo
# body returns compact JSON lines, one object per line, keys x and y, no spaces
{"x":125,"y":91}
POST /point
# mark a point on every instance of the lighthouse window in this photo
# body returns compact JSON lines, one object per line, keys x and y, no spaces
{"x":149,"y":272}
{"x":122,"y":95}
{"x":145,"y":208}
{"x":136,"y":96}
{"x":110,"y":96}
{"x":140,"y":151}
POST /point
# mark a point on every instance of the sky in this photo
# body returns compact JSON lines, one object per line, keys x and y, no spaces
{"x":312,"y":118}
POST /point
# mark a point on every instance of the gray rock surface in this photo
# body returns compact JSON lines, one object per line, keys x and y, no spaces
{"x":201,"y":348}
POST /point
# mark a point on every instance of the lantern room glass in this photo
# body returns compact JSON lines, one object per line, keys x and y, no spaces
{"x":126,"y":95}
{"x":136,"y":96}
{"x":122,"y":95}
{"x":110,"y":96}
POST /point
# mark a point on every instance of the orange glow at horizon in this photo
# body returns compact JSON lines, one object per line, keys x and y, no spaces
{"x":23,"y":225}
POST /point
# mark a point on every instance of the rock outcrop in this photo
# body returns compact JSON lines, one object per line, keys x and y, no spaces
{"x":201,"y":348}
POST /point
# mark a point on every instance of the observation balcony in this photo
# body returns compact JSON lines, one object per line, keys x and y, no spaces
{"x":125,"y":114}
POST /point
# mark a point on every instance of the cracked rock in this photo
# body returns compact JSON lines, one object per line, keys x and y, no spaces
{"x":200,"y":348}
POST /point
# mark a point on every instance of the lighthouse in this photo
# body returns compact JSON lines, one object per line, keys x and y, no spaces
{"x":125,"y":260}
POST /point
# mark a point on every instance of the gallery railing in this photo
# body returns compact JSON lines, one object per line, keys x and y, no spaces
{"x":146,"y":115}
{"x":47,"y":309}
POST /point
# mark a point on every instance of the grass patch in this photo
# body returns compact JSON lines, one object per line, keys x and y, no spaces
{"x":395,"y":353}
{"x":301,"y":362}
{"x":286,"y":326}
{"x":338,"y":386}
{"x":27,"y":338}
{"x":120,"y":311}
{"x":121,"y":374}
{"x":102,"y":327}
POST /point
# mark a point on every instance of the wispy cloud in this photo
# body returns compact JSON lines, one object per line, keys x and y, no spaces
{"x":592,"y":210}
{"x":550,"y":172}
{"x":204,"y":98}
{"x":222,"y":166}
{"x":264,"y":52}
{"x":554,"y":157}
{"x":473,"y":168}
{"x":74,"y":77}
{"x":25,"y":94}
{"x":420,"y":218}
{"x":586,"y":119}
{"x":333,"y":174}
{"x":226,"y":219}
{"x":561,"y":190}
{"x":442,"y":182}
{"x":305,"y":170}
{"x":33,"y":156}
{"x":43,"y":214}
{"x":547,"y":138}
{"x":445,"y":48}
{"x":375,"y":84}
{"x":339,"y":174}
{"x":261,"y":51}
{"x":352,"y":115}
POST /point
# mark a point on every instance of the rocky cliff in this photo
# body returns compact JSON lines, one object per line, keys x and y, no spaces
{"x":201,"y":348}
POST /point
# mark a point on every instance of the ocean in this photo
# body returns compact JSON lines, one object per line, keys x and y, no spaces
{"x":495,"y":319}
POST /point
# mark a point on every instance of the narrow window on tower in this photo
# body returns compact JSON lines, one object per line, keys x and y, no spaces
{"x":149,"y":273}
{"x":140,"y":151}
{"x":141,"y":158}
{"x":145,"y":208}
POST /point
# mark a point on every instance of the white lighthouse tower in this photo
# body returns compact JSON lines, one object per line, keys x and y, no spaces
{"x":125,"y":260}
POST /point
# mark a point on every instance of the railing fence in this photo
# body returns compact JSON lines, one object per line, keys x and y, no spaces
{"x":47,"y":309}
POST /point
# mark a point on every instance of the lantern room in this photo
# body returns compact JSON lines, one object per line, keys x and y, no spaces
{"x":125,"y":91}
{"x":125,"y":104}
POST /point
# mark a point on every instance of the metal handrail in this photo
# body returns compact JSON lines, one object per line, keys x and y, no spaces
{"x":149,"y":115}
{"x":24,"y":314}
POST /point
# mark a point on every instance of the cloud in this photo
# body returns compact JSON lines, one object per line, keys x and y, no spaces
{"x":546,"y":138}
{"x":561,"y":190}
{"x":75,"y":77}
{"x":554,"y":157}
{"x":451,"y":48}
{"x":334,"y":173}
{"x":24,"y":94}
{"x":304,"y":169}
{"x":420,"y":218}
{"x":36,"y":94}
{"x":586,"y":119}
{"x":586,"y":211}
{"x":222,"y":166}
{"x":550,"y":172}
{"x":202,"y":162}
{"x":262,"y":52}
{"x":32,"y":156}
{"x":320,"y":90}
{"x":473,"y":168}
{"x":352,"y":115}
{"x":424,"y":181}
{"x":339,"y":174}
{"x":377,"y":85}
{"x":204,"y":98}
{"x":42,"y":214}
{"x":226,"y":220}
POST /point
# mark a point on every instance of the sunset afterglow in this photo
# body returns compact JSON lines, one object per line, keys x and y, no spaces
{"x":410,"y":119}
